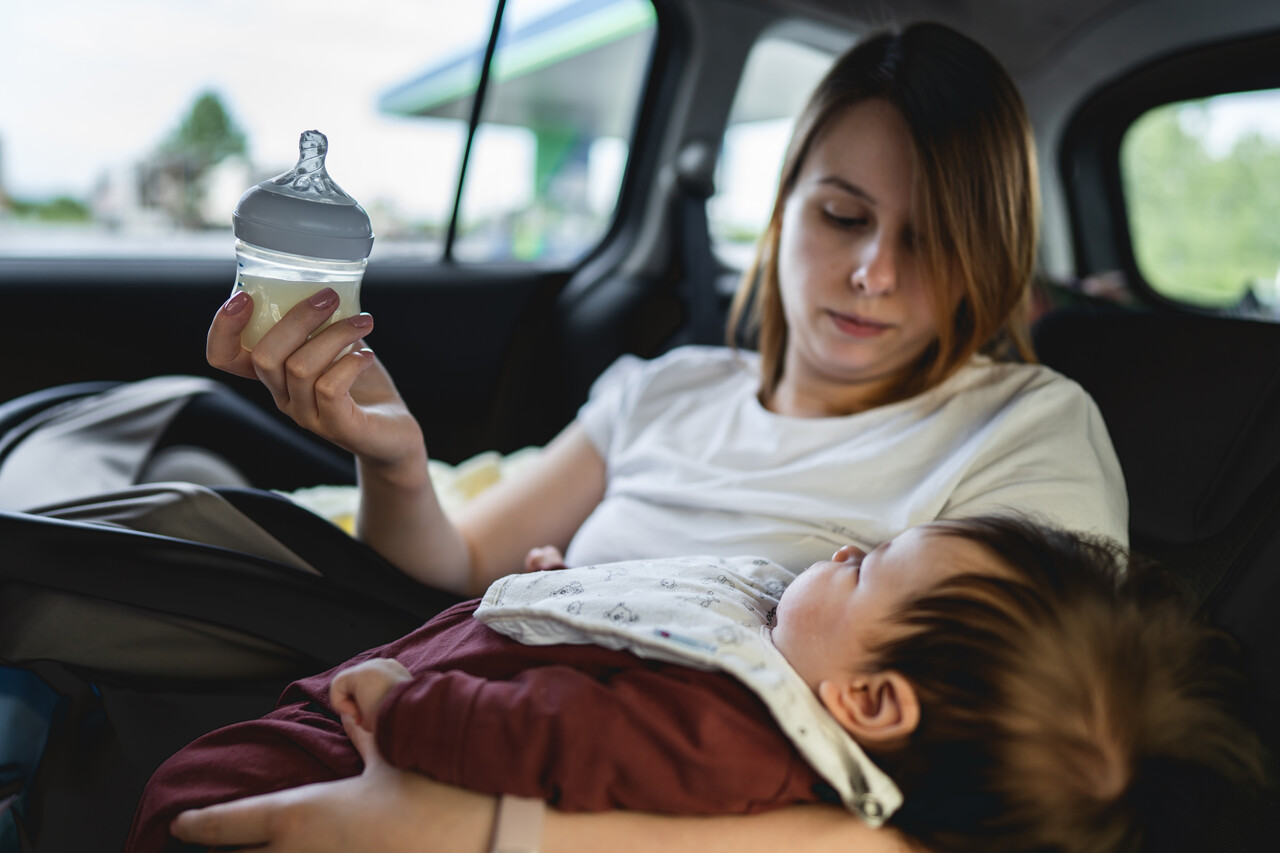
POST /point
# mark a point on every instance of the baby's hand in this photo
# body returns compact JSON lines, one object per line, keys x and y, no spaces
{"x":544,"y":558}
{"x":358,"y":692}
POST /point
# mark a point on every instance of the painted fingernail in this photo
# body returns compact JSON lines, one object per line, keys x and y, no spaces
{"x":361,"y":321}
{"x":324,"y":299}
{"x":236,"y":303}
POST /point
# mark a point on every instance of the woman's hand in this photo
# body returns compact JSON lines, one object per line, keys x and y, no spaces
{"x":397,"y":811}
{"x":331,"y":384}
{"x":382,"y":809}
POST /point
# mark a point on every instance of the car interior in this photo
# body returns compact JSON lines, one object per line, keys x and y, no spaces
{"x":1158,"y":291}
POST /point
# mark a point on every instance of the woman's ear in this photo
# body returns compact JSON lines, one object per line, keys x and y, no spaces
{"x":877,"y":709}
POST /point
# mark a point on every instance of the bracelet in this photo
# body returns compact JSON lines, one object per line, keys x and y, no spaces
{"x":517,"y":827}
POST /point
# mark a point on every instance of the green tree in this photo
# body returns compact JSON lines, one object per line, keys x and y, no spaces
{"x":1202,"y":221}
{"x":207,"y":134}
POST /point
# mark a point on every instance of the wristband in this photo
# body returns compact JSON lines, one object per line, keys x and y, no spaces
{"x":517,"y":827}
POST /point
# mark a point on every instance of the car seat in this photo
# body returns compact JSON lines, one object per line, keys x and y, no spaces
{"x":1192,"y":403}
{"x":88,"y":612}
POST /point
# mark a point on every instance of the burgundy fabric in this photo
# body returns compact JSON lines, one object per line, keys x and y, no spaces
{"x":584,"y":727}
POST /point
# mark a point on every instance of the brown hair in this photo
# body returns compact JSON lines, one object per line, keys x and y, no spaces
{"x":976,"y":198}
{"x":1065,"y":705}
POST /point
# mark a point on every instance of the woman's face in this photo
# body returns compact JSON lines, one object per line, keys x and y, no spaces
{"x":856,"y":304}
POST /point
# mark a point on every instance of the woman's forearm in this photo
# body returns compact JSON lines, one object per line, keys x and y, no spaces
{"x":397,"y":811}
{"x":401,"y":518}
{"x":803,"y":829}
{"x":543,"y":504}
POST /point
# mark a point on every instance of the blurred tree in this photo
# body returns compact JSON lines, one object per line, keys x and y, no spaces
{"x":207,"y":134}
{"x":1202,"y":220}
{"x":204,"y":138}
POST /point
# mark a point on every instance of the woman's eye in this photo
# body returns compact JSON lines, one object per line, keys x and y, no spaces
{"x":845,"y":221}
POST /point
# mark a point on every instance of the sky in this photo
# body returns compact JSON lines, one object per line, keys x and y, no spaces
{"x":104,"y":82}
{"x":94,"y":86}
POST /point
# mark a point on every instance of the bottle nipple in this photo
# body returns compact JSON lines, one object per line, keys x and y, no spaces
{"x":309,"y":180}
{"x":303,"y":212}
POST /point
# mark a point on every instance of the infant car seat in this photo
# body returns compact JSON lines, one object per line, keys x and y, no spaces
{"x":122,"y":638}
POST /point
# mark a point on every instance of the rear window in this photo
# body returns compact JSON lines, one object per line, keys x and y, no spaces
{"x":1200,"y":181}
{"x":131,"y":128}
{"x":776,"y":82}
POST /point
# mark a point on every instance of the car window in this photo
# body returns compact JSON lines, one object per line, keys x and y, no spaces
{"x":102,"y":155}
{"x":777,"y":79}
{"x":558,"y":115}
{"x":1199,"y":181}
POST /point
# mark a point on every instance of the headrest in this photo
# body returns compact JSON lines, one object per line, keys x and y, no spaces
{"x":1192,"y":404}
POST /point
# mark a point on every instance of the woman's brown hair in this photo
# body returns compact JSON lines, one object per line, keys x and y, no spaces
{"x":1068,"y":703}
{"x":976,"y":198}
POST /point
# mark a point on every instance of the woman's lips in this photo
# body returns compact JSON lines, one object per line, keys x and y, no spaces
{"x":858,"y":326}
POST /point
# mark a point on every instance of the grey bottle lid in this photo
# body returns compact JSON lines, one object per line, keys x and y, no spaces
{"x":303,"y":212}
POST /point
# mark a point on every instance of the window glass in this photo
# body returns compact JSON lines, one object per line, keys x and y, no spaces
{"x":779,"y":75}
{"x":131,"y":128}
{"x":1199,"y":182}
{"x":547,"y":162}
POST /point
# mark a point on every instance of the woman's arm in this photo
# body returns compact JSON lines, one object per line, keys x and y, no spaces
{"x":333,"y":385}
{"x":543,"y":503}
{"x":395,"y":811}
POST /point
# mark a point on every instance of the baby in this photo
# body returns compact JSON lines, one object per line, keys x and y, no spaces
{"x":987,"y":684}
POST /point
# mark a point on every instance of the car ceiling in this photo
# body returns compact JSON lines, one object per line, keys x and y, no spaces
{"x":1033,"y":36}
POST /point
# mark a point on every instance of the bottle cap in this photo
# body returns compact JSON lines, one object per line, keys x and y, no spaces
{"x":303,"y":212}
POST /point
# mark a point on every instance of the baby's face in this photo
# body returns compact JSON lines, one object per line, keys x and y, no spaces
{"x":835,"y":610}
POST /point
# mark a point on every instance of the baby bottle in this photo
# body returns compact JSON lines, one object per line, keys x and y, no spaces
{"x":296,"y":234}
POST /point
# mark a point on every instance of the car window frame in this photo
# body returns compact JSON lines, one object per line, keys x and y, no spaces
{"x":1089,"y":153}
{"x":646,"y":126}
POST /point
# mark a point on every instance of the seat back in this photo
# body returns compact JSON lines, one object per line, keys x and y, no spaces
{"x":1193,"y":407}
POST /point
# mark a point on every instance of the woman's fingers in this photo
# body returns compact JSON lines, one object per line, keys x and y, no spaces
{"x":331,"y":396}
{"x":290,"y":365}
{"x":222,"y":346}
{"x":325,"y":368}
{"x":288,"y":337}
{"x":251,"y":821}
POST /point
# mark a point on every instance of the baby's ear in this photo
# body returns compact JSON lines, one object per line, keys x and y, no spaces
{"x":879,"y":709}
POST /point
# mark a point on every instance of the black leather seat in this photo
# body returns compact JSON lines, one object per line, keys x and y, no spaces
{"x":1193,"y":407}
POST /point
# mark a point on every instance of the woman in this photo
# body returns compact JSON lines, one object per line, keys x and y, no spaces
{"x":896,"y":261}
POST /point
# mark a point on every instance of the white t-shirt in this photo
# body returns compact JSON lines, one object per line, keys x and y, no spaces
{"x":696,"y":465}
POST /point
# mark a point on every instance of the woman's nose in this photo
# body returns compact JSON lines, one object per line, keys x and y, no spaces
{"x":847,"y":553}
{"x":876,"y":269}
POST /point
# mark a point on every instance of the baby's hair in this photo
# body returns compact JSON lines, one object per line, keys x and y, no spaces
{"x":1069,"y":700}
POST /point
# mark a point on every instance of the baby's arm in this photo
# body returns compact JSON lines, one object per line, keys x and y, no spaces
{"x":655,"y":738}
{"x":358,"y":692}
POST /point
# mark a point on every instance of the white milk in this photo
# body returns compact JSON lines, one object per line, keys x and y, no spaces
{"x":272,"y":299}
